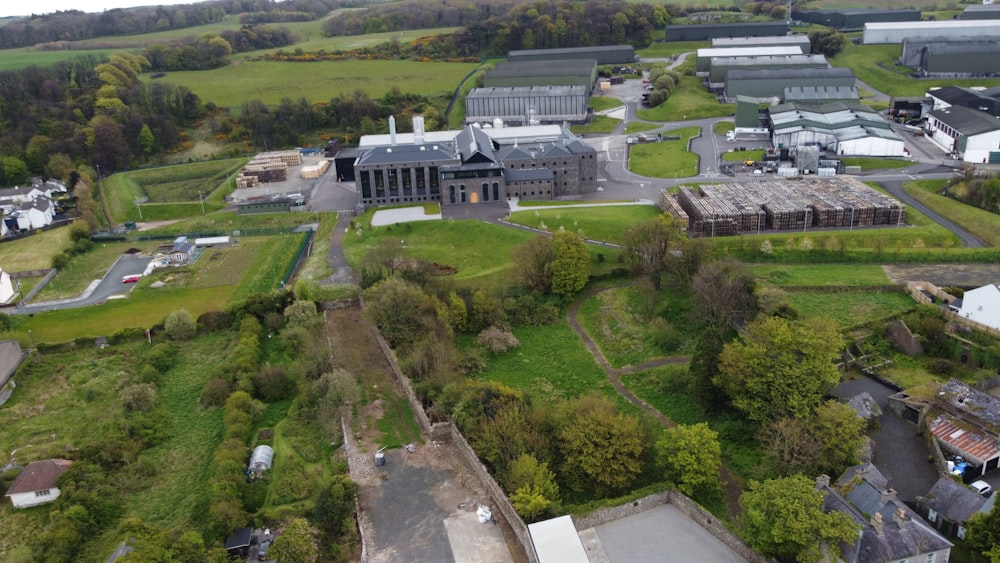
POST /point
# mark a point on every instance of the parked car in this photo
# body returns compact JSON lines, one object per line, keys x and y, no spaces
{"x":982,"y":487}
{"x":131,"y":279}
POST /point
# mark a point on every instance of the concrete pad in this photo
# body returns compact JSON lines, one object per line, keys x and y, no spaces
{"x":473,"y":542}
{"x":592,"y":543}
{"x":618,"y":113}
{"x":662,"y":535}
{"x":385,"y":217}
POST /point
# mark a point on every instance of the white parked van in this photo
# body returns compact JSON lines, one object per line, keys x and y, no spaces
{"x":982,"y":487}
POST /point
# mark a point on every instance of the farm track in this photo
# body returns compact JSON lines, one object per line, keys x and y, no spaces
{"x":732,"y":483}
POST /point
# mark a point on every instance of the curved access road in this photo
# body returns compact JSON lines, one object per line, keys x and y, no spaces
{"x":110,"y":287}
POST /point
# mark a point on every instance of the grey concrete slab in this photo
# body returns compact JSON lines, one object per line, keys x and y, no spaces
{"x":662,"y":535}
{"x":592,"y":544}
{"x":474,"y":542}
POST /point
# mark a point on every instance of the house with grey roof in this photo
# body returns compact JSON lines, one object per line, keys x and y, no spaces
{"x":890,"y":530}
{"x":949,"y":505}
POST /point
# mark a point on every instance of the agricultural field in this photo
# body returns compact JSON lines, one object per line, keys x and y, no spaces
{"x":170,"y":192}
{"x":34,"y":252}
{"x":601,"y":223}
{"x":24,"y":57}
{"x":311,"y":39}
{"x":270,"y":81}
{"x":666,"y":159}
{"x":819,"y":275}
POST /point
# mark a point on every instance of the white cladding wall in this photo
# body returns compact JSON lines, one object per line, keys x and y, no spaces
{"x":896,"y":32}
{"x":977,"y":147}
{"x":870,"y":146}
{"x":982,"y":305}
{"x":29,"y":499}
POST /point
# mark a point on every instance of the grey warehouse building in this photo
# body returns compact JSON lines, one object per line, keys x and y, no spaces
{"x":770,"y":84}
{"x":960,"y":57}
{"x":609,"y":54}
{"x":896,"y":32}
{"x":980,"y":12}
{"x":704,"y":32}
{"x":800,"y":41}
{"x":722,"y":65}
{"x":528,"y":105}
{"x":820,"y":94}
{"x":474,"y":165}
{"x":854,"y":18}
{"x":575,"y":72}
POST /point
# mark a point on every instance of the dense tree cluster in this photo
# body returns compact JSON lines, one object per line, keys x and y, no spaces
{"x":827,"y":42}
{"x":212,"y":51}
{"x":498,"y":27}
{"x":979,"y":191}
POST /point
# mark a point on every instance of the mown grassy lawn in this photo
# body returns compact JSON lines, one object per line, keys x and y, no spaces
{"x":270,"y":264}
{"x":666,"y":159}
{"x":551,"y":365}
{"x":820,"y":275}
{"x":601,"y":103}
{"x":270,"y":81}
{"x":600,"y":124}
{"x":723,"y":127}
{"x":33,"y":252}
{"x":981,"y":223}
{"x":666,"y":389}
{"x":605,"y":224}
{"x":689,"y":101}
{"x":478,"y":251}
{"x":876,"y":163}
{"x":169,"y":192}
{"x":739,"y":156}
{"x":851,"y":308}
{"x":640,"y":126}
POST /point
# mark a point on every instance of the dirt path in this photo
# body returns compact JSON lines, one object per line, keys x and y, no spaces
{"x":732,"y":483}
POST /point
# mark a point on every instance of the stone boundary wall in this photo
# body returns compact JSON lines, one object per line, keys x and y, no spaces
{"x":448,"y":432}
{"x":688,"y":507}
{"x":41,"y":285}
{"x":30,"y":273}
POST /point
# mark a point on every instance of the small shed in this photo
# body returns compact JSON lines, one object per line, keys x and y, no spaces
{"x":260,"y":460}
{"x":238,"y":543}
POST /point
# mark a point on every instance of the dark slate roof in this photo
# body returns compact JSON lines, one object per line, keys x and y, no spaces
{"x":531,"y":68}
{"x":789,"y":73}
{"x":40,"y":203}
{"x":529,"y":174}
{"x":860,"y":493}
{"x":39,"y":476}
{"x":975,"y":99}
{"x":953,"y":500}
{"x":408,"y":153}
{"x":239,"y":538}
{"x":820,"y":93}
{"x":987,"y":47}
{"x":967,"y":121}
{"x":475,"y":146}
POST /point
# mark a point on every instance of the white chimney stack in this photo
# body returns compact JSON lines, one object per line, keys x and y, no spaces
{"x":392,"y":130}
{"x":418,"y":129}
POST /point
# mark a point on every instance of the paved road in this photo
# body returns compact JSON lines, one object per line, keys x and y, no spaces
{"x":111,"y":285}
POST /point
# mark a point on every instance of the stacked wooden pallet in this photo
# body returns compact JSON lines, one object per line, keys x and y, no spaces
{"x":672,"y":207}
{"x":708,"y":216}
{"x":267,"y":170}
{"x":291,"y":158}
{"x":247,"y":181}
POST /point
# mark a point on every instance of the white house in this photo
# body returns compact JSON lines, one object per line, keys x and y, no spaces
{"x":971,"y":134}
{"x":6,"y":287}
{"x":37,"y":483}
{"x":982,"y":305}
{"x":34,"y":214}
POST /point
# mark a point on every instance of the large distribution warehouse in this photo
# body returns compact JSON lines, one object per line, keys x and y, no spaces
{"x":573,"y":72}
{"x":897,"y":32}
{"x":854,"y":18}
{"x":704,"y":32}
{"x":800,"y":41}
{"x":609,"y":54}
{"x":528,"y":105}
{"x":846,"y":128}
{"x":769,"y":84}
{"x":704,"y":56}
{"x":722,"y":65}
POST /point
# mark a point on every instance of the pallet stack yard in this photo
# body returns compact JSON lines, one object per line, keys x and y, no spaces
{"x":747,"y":208}
{"x":268,"y":167}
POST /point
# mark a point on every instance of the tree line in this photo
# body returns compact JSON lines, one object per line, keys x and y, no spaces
{"x":212,"y":50}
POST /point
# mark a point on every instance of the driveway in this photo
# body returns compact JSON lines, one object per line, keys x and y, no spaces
{"x":108,"y":287}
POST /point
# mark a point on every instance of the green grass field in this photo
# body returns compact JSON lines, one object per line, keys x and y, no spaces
{"x":227,"y":222}
{"x":15,"y":59}
{"x":616,"y":320}
{"x":169,"y":192}
{"x":666,"y":159}
{"x":723,"y":127}
{"x":981,"y":223}
{"x":34,"y":252}
{"x":820,"y":275}
{"x":600,"y":124}
{"x":738,"y":156}
{"x":876,"y":163}
{"x":689,"y":101}
{"x":850,"y":308}
{"x":605,"y":224}
{"x":601,"y":103}
{"x":640,"y":126}
{"x":270,"y":81}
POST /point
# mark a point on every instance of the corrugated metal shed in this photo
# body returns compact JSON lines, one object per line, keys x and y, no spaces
{"x":821,"y":94}
{"x":975,"y":445}
{"x":771,"y":83}
{"x":607,"y":54}
{"x":719,"y":66}
{"x":542,"y":73}
{"x":705,"y":55}
{"x":800,"y":41}
{"x":544,"y":103}
{"x":897,"y":32}
{"x":967,"y":121}
{"x":854,"y":18}
{"x":704,"y":32}
{"x":980,"y":12}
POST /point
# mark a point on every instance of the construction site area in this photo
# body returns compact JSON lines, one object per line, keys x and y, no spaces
{"x":751,"y":207}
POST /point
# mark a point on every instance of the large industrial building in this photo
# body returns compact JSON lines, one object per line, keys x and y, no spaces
{"x":854,"y":18}
{"x":980,"y":12}
{"x":528,"y":105}
{"x":768,"y":85}
{"x":703,"y":62}
{"x":572,"y":72}
{"x":820,"y":94}
{"x":800,"y":41}
{"x":610,"y":54}
{"x":897,"y":32}
{"x":721,"y":65}
{"x":963,"y":56}
{"x":753,"y":207}
{"x":970,"y":134}
{"x":704,"y":32}
{"x":844,"y":128}
{"x":474,"y":165}
{"x":983,"y":100}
